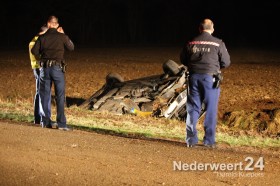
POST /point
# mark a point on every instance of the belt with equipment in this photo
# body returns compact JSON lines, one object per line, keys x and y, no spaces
{"x":50,"y":63}
{"x":217,"y":78}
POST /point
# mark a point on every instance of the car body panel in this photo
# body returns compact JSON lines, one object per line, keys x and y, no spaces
{"x":163,"y":95}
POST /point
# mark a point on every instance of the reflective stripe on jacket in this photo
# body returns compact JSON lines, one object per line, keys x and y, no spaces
{"x":33,"y":60}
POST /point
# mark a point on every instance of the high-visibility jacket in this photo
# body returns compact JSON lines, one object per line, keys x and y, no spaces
{"x":33,"y":60}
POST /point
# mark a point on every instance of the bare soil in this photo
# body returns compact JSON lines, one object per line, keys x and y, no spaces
{"x":34,"y":156}
{"x":30,"y":155}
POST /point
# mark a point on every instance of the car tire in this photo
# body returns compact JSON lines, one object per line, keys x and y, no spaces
{"x":171,"y":67}
{"x":113,"y":78}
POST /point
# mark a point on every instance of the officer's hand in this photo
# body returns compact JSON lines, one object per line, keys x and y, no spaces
{"x":60,"y":29}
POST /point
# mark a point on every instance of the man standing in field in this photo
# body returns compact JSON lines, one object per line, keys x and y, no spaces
{"x":35,"y":66}
{"x":50,"y":47}
{"x":204,"y":56}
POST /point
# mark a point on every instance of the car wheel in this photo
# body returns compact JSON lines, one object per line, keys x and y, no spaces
{"x":171,"y":67}
{"x":112,"y":78}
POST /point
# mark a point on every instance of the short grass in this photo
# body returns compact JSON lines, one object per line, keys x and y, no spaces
{"x":129,"y":125}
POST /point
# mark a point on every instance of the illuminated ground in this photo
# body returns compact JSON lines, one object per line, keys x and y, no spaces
{"x":250,"y":89}
{"x":33,"y":156}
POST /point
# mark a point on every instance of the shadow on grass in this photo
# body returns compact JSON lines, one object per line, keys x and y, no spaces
{"x":222,"y":147}
{"x":74,"y":101}
{"x":69,"y":101}
{"x":125,"y":134}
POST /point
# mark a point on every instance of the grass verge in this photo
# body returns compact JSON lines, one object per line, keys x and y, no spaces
{"x":132,"y":126}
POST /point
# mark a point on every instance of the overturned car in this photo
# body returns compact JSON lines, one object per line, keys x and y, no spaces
{"x":162,"y":95}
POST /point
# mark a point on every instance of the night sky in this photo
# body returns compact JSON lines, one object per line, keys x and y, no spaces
{"x":93,"y":23}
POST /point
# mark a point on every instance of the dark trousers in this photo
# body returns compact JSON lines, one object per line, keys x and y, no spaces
{"x":48,"y":76}
{"x":201,"y":90}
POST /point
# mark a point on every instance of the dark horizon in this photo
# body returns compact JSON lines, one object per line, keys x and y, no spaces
{"x":141,"y":23}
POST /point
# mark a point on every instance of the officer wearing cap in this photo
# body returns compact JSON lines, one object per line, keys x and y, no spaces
{"x":35,"y":66}
{"x":204,"y":55}
{"x":50,"y":47}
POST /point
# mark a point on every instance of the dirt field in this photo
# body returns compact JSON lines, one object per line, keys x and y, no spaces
{"x":249,"y":103}
{"x":250,"y":95}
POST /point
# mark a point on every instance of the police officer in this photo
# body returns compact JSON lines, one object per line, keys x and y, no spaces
{"x":35,"y":66}
{"x":50,"y":47}
{"x":204,"y":56}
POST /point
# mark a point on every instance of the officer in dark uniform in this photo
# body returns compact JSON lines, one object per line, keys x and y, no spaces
{"x":204,"y":56}
{"x":50,"y":47}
